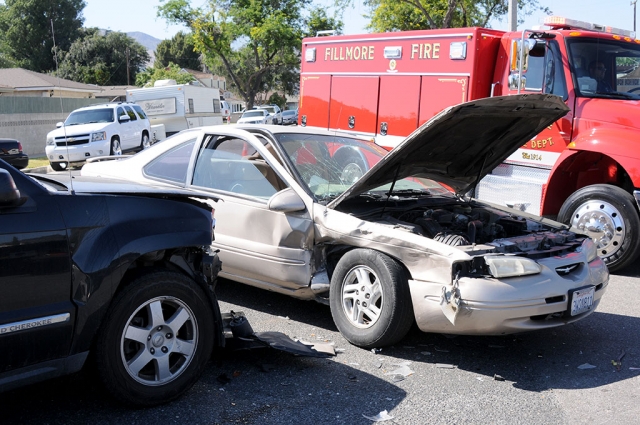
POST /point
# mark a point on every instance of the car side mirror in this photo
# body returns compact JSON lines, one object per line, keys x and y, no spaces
{"x":59,"y":124}
{"x":124,"y":118}
{"x":9,"y":193}
{"x":286,"y":200}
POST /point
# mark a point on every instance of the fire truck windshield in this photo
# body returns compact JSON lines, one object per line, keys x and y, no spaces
{"x":605,"y":68}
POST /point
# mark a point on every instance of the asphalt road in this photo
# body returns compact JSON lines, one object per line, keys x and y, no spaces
{"x":453,"y":379}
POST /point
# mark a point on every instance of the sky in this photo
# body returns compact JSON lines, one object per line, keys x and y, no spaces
{"x":140,"y":15}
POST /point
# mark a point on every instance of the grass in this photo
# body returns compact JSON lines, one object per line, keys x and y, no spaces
{"x":38,"y":162}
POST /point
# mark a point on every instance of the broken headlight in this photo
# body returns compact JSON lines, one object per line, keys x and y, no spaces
{"x":511,"y":266}
{"x":590,"y":249}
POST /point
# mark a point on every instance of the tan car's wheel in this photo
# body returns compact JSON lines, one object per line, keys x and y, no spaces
{"x":370,"y":300}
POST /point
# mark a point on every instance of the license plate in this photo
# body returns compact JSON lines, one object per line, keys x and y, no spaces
{"x":581,"y":300}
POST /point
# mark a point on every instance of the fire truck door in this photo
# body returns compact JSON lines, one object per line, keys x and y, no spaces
{"x":314,"y":100}
{"x":398,"y":107}
{"x":439,"y":92}
{"x":354,"y":103}
{"x":545,"y":74}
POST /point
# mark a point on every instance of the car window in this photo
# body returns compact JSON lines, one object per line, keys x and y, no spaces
{"x":231,"y":165}
{"x":88,"y":116}
{"x":130,"y":112}
{"x":255,"y":113}
{"x":139,"y":111}
{"x":121,"y":112}
{"x":173,"y":164}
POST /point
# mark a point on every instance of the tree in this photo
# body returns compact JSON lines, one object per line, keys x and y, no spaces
{"x":26,"y":28}
{"x":180,"y":50}
{"x":402,"y":15}
{"x":254,"y":43}
{"x":104,"y":59}
{"x":169,"y":72}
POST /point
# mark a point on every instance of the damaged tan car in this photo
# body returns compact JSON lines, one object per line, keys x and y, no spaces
{"x":385,"y":239}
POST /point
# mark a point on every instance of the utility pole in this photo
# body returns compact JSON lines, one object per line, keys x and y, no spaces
{"x":127,"y":52}
{"x":633,"y":2}
{"x":513,"y":15}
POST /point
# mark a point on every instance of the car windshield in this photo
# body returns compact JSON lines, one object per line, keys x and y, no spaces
{"x":256,"y":113}
{"x":90,"y":116}
{"x":269,"y":109}
{"x":329,"y":165}
{"x":288,"y":112}
{"x":605,"y":68}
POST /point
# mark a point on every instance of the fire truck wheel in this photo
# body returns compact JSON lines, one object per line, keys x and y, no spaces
{"x":370,"y":300}
{"x":351,"y":164}
{"x":608,"y":214}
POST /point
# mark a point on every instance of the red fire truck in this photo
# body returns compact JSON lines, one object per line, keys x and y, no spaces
{"x":583,"y":170}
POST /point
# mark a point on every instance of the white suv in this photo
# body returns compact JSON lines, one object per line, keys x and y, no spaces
{"x":275,"y":115}
{"x":99,"y":130}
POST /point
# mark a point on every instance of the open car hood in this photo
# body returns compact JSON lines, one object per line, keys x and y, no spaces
{"x":463,"y":143}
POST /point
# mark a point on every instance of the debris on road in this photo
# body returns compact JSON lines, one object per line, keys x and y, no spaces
{"x":586,"y":366}
{"x":497,"y":377}
{"x":444,"y":366}
{"x":380,"y":417}
{"x":402,"y":372}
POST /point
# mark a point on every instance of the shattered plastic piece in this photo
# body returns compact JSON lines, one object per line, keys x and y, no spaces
{"x":397,"y":378}
{"x":380,"y":417}
{"x":634,"y":368}
{"x":352,"y":377}
{"x":444,"y":366}
{"x":479,"y":378}
{"x":616,"y":364}
{"x":376,"y":350}
{"x":586,"y":366}
{"x":425,"y":353}
{"x":497,"y":377}
{"x":282,"y":342}
{"x":403,"y":370}
{"x":284,"y":317}
{"x":339,"y":350}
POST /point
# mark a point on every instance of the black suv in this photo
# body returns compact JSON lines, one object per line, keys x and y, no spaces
{"x":115,"y":269}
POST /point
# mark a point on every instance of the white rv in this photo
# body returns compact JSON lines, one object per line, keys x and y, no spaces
{"x":178,"y":106}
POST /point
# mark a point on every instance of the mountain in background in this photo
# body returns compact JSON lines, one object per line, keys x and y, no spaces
{"x":147,"y":41}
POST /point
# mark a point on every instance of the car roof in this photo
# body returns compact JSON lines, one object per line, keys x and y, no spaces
{"x":104,"y":105}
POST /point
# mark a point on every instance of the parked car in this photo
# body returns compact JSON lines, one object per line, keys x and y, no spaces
{"x":275,"y":115}
{"x":99,"y":130}
{"x":11,"y":152}
{"x":386,"y":239}
{"x":289,"y":117}
{"x":119,"y":270}
{"x":254,"y":116}
{"x":225,"y":110}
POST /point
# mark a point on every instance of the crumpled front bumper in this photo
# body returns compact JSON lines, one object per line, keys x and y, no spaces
{"x":494,"y":307}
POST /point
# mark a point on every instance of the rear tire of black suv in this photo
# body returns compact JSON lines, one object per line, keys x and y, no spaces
{"x":156,"y":339}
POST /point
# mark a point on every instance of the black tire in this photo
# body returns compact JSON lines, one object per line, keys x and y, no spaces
{"x":58,"y":166}
{"x":145,"y":142}
{"x":608,"y":214}
{"x":352,"y":166}
{"x":130,"y":367}
{"x":115,"y":147}
{"x":385,"y":287}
